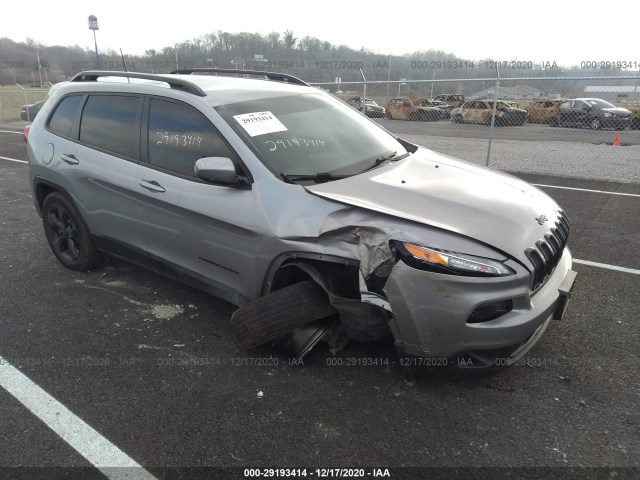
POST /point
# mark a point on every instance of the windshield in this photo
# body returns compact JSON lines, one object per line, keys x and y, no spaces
{"x":308,"y":134}
{"x":596,"y":102}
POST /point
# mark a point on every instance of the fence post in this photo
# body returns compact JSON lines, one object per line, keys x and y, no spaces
{"x":364,"y":93}
{"x":26,"y":102}
{"x":387,"y":98}
{"x":493,"y":113}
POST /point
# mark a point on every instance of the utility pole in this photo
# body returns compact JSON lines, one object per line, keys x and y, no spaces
{"x":39,"y":66}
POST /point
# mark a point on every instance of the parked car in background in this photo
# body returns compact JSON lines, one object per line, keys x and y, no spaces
{"x":371,"y":108}
{"x":593,"y":113}
{"x":29,"y":112}
{"x":413,"y":108}
{"x":445,"y":108}
{"x":481,"y":111}
{"x":635,"y":116}
{"x":455,"y":100}
{"x":544,"y":110}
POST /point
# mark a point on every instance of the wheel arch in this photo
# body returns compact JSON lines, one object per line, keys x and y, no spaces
{"x":42,"y":188}
{"x":338,"y":275}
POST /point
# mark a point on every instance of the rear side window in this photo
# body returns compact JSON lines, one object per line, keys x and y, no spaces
{"x":108,"y":123}
{"x":62,"y":119}
{"x":179,"y":136}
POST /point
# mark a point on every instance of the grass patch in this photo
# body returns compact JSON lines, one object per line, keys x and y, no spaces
{"x":12,"y":100}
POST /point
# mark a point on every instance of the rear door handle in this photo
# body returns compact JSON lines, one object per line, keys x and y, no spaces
{"x":70,"y":159}
{"x":152,"y":186}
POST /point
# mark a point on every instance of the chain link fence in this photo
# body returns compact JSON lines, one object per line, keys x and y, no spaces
{"x":565,"y":125}
{"x":14,"y":101}
{"x":535,"y":124}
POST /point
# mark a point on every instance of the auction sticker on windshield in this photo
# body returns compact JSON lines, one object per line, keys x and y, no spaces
{"x":260,"y":123}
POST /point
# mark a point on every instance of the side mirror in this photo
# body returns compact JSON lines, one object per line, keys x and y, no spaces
{"x":218,"y":170}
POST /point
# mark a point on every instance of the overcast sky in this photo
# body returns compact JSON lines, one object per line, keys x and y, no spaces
{"x":566,"y":32}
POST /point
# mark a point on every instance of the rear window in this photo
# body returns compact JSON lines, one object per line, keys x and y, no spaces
{"x":108,"y":123}
{"x":62,"y":119}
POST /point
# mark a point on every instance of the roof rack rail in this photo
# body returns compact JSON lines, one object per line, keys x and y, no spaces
{"x":275,"y":76}
{"x":175,"y":83}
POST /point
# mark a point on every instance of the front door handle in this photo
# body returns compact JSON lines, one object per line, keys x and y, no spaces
{"x":70,"y":159}
{"x":152,"y":186}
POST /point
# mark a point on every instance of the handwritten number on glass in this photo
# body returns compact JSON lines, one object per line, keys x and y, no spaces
{"x":178,"y":140}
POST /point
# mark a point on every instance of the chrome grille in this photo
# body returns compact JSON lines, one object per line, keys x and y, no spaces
{"x":544,"y":257}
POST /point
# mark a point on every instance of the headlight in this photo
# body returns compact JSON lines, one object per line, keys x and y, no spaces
{"x":453,"y":263}
{"x":607,"y":114}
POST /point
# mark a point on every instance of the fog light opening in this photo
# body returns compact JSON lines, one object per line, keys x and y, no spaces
{"x":490,"y":311}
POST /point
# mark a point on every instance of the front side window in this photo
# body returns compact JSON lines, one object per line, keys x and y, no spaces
{"x":309,"y":134}
{"x":179,"y":135}
{"x":62,"y":119}
{"x":108,"y":123}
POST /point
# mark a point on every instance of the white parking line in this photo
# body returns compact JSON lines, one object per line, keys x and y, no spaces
{"x":587,"y":190}
{"x":607,"y":266}
{"x":13,"y":160}
{"x":10,"y":131}
{"x":101,"y":453}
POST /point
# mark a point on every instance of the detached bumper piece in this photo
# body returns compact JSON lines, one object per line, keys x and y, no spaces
{"x":565,"y":293}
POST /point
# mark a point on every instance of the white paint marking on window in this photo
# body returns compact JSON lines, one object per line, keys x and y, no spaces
{"x":13,"y":160}
{"x":96,"y":449}
{"x":587,"y":190}
{"x":607,"y":266}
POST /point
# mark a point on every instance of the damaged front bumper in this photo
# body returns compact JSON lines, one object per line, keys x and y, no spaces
{"x":432,"y":311}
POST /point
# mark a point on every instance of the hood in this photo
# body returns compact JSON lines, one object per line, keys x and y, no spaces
{"x":451,"y":194}
{"x":619,"y":111}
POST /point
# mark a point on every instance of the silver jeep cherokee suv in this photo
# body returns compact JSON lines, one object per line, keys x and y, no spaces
{"x":286,"y":202}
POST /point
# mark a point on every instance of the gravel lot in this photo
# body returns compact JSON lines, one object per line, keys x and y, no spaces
{"x":577,"y":160}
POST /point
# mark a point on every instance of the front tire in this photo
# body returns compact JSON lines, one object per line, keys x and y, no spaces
{"x":595,"y":124}
{"x":67,"y":234}
{"x":271,"y":316}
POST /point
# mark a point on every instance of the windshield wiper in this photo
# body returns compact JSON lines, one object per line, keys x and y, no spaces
{"x":380,"y":160}
{"x":316,"y":177}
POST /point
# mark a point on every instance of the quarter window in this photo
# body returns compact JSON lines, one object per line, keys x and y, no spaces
{"x":179,"y":136}
{"x":64,"y":115}
{"x":108,"y":123}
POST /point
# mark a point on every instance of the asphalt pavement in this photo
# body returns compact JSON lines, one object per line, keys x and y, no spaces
{"x":153,"y":366}
{"x":528,"y":131}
